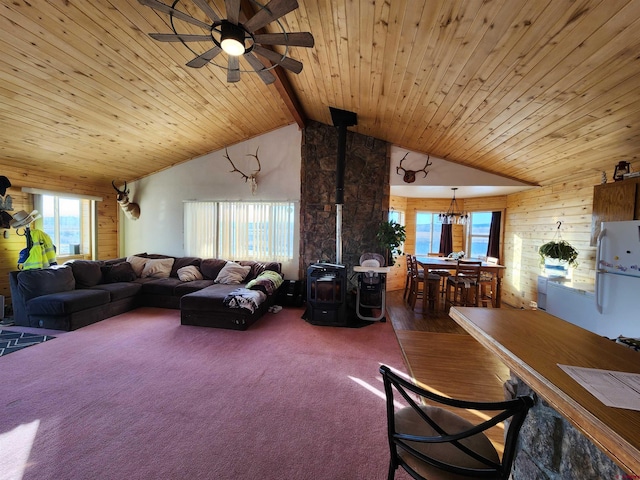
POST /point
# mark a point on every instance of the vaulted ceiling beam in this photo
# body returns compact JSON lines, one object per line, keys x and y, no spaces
{"x":282,"y":84}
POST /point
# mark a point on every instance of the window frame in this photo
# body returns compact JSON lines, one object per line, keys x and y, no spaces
{"x":86,"y":215}
{"x":434,"y":223}
{"x":209,"y":241}
{"x":470,"y":235}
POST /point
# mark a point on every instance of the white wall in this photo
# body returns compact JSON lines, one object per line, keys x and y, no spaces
{"x":160,"y":196}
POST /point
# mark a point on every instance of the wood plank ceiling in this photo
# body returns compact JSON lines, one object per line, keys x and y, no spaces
{"x":532,"y":89}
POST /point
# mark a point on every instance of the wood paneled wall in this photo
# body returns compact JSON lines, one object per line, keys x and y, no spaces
{"x":531,"y":221}
{"x":107,"y":235}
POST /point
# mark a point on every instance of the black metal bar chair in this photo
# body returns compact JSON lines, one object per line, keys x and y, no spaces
{"x":430,"y":441}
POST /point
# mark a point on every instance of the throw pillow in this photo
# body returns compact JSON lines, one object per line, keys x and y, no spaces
{"x":232,"y":273}
{"x":137,"y":263}
{"x":120,"y":272}
{"x":157,"y":268}
{"x":86,"y":272}
{"x":189,"y":273}
{"x":211,"y":267}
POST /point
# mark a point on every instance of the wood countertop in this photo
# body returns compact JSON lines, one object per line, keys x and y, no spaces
{"x":532,"y":343}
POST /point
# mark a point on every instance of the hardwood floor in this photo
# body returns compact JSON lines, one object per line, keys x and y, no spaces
{"x":442,"y":357}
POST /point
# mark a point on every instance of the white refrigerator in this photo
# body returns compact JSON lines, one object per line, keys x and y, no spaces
{"x":613,"y":308}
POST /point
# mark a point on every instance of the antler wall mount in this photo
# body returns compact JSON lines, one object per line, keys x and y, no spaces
{"x":233,"y":36}
{"x":409,"y":176}
{"x":253,"y":178}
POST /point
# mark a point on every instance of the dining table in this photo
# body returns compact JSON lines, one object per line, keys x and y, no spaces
{"x":446,"y":263}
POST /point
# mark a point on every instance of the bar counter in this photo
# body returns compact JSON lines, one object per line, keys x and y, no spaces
{"x":532,"y":343}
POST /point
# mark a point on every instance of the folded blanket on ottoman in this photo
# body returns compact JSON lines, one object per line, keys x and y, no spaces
{"x":245,"y":298}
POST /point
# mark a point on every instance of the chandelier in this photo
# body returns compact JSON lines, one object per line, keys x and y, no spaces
{"x":453,"y":214}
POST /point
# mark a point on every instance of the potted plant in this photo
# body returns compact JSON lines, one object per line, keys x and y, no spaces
{"x":391,"y":236}
{"x":556,"y":255}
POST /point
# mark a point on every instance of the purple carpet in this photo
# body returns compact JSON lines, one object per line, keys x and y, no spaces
{"x":139,"y":396}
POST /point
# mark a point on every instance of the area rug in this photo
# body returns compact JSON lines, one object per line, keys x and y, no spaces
{"x":139,"y":396}
{"x":13,"y":341}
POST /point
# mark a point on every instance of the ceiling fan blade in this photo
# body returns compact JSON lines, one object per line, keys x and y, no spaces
{"x":287,"y":62}
{"x":299,"y":39}
{"x":179,"y":37}
{"x":206,"y":8}
{"x":206,"y":57}
{"x":233,"y":69}
{"x":172,"y":11}
{"x":270,"y":12}
{"x":233,"y":10}
{"x":266,"y":76}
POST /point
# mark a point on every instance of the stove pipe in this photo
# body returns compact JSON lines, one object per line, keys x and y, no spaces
{"x":341,"y":119}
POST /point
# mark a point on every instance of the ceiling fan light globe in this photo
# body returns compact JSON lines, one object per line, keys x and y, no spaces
{"x":232,"y":47}
{"x":232,"y":39}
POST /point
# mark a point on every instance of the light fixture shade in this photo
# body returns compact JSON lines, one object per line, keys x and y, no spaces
{"x":232,"y":39}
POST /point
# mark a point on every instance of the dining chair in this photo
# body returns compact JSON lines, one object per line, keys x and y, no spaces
{"x":407,"y":282}
{"x":442,"y":273}
{"x":430,"y":440}
{"x":487,"y":283}
{"x":463,"y":288}
{"x":423,"y":286}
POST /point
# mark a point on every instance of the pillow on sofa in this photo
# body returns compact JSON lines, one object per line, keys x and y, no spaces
{"x":119,"y":272}
{"x":232,"y":273}
{"x":189,"y":273}
{"x":137,"y":263}
{"x":86,"y":272}
{"x":256,"y":268}
{"x":211,"y":267}
{"x":157,"y":268}
{"x":184,"y":262}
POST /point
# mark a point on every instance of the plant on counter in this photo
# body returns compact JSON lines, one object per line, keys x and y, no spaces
{"x":391,"y":237}
{"x":559,"y":250}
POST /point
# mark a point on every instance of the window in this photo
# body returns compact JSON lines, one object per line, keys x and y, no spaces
{"x":428,"y":231}
{"x":396,"y":216}
{"x":69,"y":223}
{"x":240,"y":230}
{"x":478,"y":229}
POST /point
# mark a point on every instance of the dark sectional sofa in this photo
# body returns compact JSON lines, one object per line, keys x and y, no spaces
{"x":83,"y":292}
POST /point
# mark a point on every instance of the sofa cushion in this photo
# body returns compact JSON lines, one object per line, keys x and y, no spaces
{"x":210,"y":298}
{"x":65,"y":303}
{"x":34,"y":283}
{"x":157,"y":268}
{"x":137,"y":263}
{"x":86,"y":272}
{"x":120,"y":290}
{"x":119,"y":272}
{"x":273,"y":266}
{"x":181,"y":262}
{"x":189,"y":287}
{"x":256,"y":268}
{"x":232,"y":274}
{"x":211,"y":267}
{"x":160,"y":286}
{"x":189,"y":273}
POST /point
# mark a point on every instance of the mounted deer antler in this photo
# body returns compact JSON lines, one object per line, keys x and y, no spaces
{"x":253,"y":177}
{"x":410,"y":175}
{"x":132,"y":210}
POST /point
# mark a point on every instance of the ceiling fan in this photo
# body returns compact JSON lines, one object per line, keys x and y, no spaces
{"x":235,"y":38}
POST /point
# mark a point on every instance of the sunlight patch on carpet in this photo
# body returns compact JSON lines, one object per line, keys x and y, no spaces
{"x":13,"y":462}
